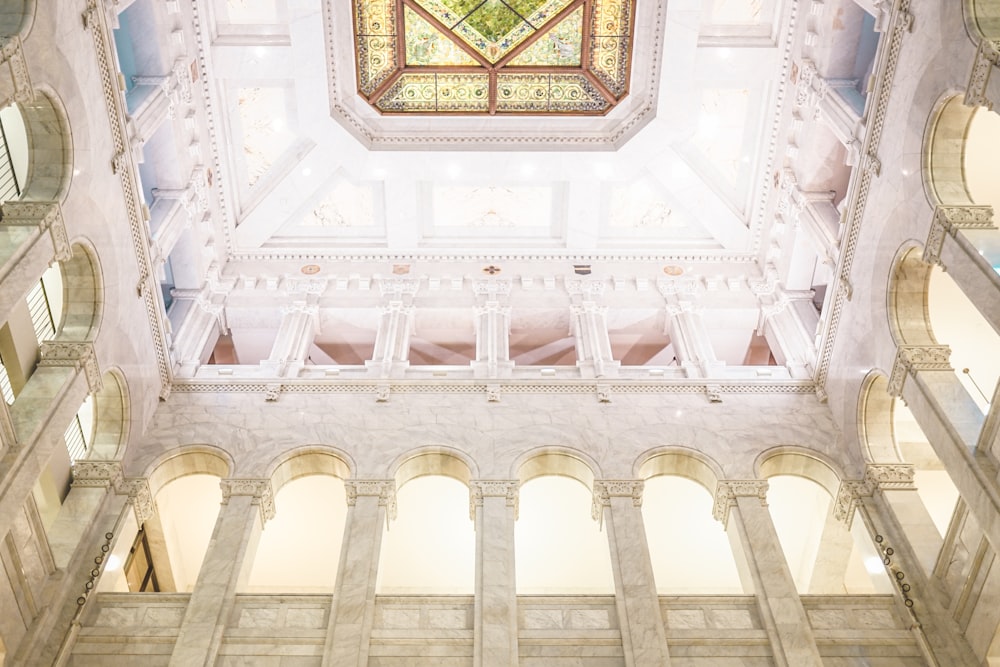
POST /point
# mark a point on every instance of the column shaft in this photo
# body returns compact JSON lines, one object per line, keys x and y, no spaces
{"x":593,"y":346}
{"x":32,"y":236}
{"x":392,"y":342}
{"x":974,"y":274}
{"x":353,"y":611}
{"x":494,"y":504}
{"x":246,"y":504}
{"x":492,"y":340}
{"x":295,"y":335}
{"x":692,"y":346}
{"x":644,"y":637}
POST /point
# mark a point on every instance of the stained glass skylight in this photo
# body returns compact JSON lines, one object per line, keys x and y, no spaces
{"x":493,"y":56}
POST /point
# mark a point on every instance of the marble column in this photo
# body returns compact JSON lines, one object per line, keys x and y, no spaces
{"x":952,"y":422}
{"x":871,"y":502}
{"x":593,"y":346}
{"x":247,"y":504}
{"x":619,"y":504}
{"x":493,"y":506}
{"x":198,"y":332}
{"x":791,"y":339}
{"x":370,"y":504}
{"x":298,"y":329}
{"x":815,"y":214}
{"x":949,"y":246}
{"x":152,"y":112}
{"x":172,"y":213}
{"x":32,"y":236}
{"x":492,"y":341}
{"x":392,"y":342}
{"x":819,"y":98}
{"x":744,"y":503}
{"x":691,"y":342}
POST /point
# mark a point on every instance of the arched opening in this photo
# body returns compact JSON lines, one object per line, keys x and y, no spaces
{"x":823,"y":554}
{"x":299,"y":549}
{"x":430,"y":548}
{"x":677,"y":510}
{"x":37,"y":157}
{"x":559,"y":548}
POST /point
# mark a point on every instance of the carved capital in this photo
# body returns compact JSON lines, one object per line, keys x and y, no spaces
{"x":397,"y":288}
{"x":12,"y":54}
{"x":272,"y":392}
{"x":137,"y":490}
{"x":911,"y":359}
{"x":890,"y":476}
{"x":492,"y":288}
{"x":728,"y":491}
{"x":848,"y":496}
{"x":493,"y":488}
{"x":383,"y":489}
{"x":589,"y":289}
{"x":987,"y":57}
{"x":97,"y":474}
{"x":259,"y":489}
{"x":950,"y":219}
{"x":80,"y":356}
{"x":606,"y":489}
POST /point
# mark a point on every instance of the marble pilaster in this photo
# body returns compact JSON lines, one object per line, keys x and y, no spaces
{"x":883,"y":502}
{"x":298,"y":328}
{"x":792,"y":339}
{"x":492,"y":341}
{"x":691,"y":342}
{"x":950,"y":247}
{"x":15,"y":82}
{"x":197,"y":333}
{"x":819,"y":98}
{"x":152,"y":112}
{"x":744,"y":504}
{"x":26,"y":250}
{"x":246,"y":505}
{"x":952,"y":423}
{"x":493,"y":505}
{"x":391,"y":355}
{"x":593,"y":346}
{"x":619,"y":504}
{"x":370,"y":503}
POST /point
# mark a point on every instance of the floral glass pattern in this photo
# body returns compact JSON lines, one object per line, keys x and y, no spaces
{"x":493,"y":56}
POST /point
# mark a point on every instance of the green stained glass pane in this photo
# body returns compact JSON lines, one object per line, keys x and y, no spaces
{"x":461,"y":8}
{"x":525,"y":7}
{"x":426,"y":45}
{"x":560,"y":47}
{"x":493,"y":20}
{"x":547,"y":93}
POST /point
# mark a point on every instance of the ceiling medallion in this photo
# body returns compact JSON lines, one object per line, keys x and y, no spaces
{"x":491,"y":270}
{"x":568,"y":57}
{"x":672,"y":270}
{"x":310,"y":269}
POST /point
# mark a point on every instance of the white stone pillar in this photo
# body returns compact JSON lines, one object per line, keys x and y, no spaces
{"x":152,"y":112}
{"x":247,"y":504}
{"x":492,"y":341}
{"x":299,"y":326}
{"x":885,"y":503}
{"x":493,"y":506}
{"x":948,"y":246}
{"x":370,"y":503}
{"x":815,"y":214}
{"x":692,"y":346}
{"x":32,"y":236}
{"x":792,"y":341}
{"x":619,"y":504}
{"x":392,"y":342}
{"x":745,"y":503}
{"x":952,"y":422}
{"x":197,"y":333}
{"x":817,"y":96}
{"x":593,"y":346}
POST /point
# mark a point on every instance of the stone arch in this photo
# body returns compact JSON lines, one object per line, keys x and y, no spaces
{"x":188,"y":460}
{"x":17,"y":18}
{"x":909,"y":319}
{"x":562,"y":461}
{"x":50,"y":148}
{"x":875,"y":420}
{"x":112,"y":418}
{"x":944,"y":153}
{"x":433,"y":460}
{"x":83,"y":295}
{"x":801,"y":462}
{"x":309,"y":460}
{"x":682,"y":462}
{"x":982,"y":19}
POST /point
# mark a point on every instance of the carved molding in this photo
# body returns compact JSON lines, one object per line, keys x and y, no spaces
{"x":948,"y":220}
{"x":492,"y":288}
{"x":987,"y":57}
{"x":383,"y":489}
{"x":80,"y":356}
{"x":848,"y":496}
{"x":45,"y":216}
{"x":12,"y":54}
{"x":606,"y":489}
{"x":98,"y":474}
{"x":137,"y":490}
{"x":728,"y":491}
{"x":494,"y":488}
{"x":911,"y":359}
{"x":397,"y":288}
{"x":878,"y":477}
{"x":259,"y":489}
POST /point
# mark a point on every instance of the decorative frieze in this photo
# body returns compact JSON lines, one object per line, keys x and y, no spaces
{"x":138,"y":492}
{"x":259,"y":489}
{"x":98,"y":474}
{"x":80,"y":356}
{"x":493,"y":488}
{"x":47,"y":216}
{"x":384,"y":489}
{"x":606,"y":489}
{"x":728,"y":491}
{"x":911,"y":359}
{"x":949,"y":220}
{"x":13,"y":55}
{"x":987,"y":57}
{"x":877,"y":477}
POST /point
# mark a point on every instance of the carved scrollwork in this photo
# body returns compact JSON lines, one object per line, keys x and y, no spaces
{"x":97,"y":474}
{"x":949,"y":220}
{"x":137,"y":490}
{"x":80,"y":356}
{"x":913,"y":358}
{"x":383,"y":489}
{"x":894,"y":476}
{"x":493,"y":488}
{"x":728,"y":491}
{"x":259,"y":489}
{"x":987,"y":57}
{"x":848,"y":496}
{"x":606,"y":489}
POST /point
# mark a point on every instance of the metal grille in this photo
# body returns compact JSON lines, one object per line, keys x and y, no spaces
{"x":76,"y":441}
{"x":10,"y":189}
{"x":5,"y":389}
{"x":41,"y":314}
